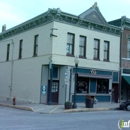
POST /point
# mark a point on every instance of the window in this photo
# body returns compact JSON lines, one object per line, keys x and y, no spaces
{"x":55,"y":86}
{"x":82,"y":85}
{"x":70,"y":44}
{"x":20,"y":48}
{"x":102,"y":85}
{"x":128,"y":48}
{"x":8,"y":51}
{"x":96,"y":48}
{"x":106,"y":50}
{"x":82,"y":46}
{"x":55,"y":72}
{"x":35,"y":45}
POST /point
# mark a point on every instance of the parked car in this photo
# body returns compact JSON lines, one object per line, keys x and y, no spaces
{"x":125,"y":105}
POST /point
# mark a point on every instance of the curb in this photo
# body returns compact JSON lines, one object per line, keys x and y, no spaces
{"x":64,"y":111}
{"x":86,"y":109}
{"x":82,"y":110}
{"x":17,"y":107}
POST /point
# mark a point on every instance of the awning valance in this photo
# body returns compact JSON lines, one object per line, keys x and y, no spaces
{"x":95,"y":76}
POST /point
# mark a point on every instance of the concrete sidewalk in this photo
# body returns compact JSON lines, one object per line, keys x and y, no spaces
{"x":49,"y":109}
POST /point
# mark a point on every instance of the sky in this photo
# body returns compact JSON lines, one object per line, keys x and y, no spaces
{"x":15,"y":12}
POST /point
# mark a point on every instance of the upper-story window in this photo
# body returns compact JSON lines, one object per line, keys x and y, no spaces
{"x":96,"y":48}
{"x":70,"y":44}
{"x":82,"y":46}
{"x":128,"y":48}
{"x":106,"y":50}
{"x":8,"y":51}
{"x":35,"y":45}
{"x":20,"y":48}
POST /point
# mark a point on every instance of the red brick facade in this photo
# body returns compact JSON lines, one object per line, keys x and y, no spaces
{"x":126,"y":34}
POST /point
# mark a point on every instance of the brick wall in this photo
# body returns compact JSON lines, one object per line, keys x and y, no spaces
{"x":126,"y":33}
{"x":126,"y":64}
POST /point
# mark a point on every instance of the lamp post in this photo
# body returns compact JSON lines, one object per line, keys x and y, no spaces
{"x":76,"y":61}
{"x":50,"y":67}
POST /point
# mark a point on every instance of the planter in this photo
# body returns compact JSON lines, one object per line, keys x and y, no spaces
{"x":68,"y":105}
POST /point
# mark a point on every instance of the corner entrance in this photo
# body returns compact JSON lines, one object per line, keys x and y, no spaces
{"x":54,"y":91}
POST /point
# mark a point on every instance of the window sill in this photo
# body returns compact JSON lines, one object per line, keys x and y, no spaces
{"x":96,"y":59}
{"x":83,"y":57}
{"x":70,"y":55}
{"x":102,"y":93}
{"x":34,"y":55}
{"x":106,"y":60}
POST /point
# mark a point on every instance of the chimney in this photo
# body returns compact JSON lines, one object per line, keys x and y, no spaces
{"x":4,"y":28}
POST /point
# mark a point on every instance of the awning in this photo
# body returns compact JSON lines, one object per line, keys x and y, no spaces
{"x":126,"y":81}
{"x":95,"y":76}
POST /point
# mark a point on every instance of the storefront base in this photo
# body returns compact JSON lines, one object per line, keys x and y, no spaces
{"x":100,"y":98}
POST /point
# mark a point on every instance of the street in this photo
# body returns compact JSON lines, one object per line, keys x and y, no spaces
{"x":14,"y":119}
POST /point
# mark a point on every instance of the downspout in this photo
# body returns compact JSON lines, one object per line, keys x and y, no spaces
{"x":12,"y":63}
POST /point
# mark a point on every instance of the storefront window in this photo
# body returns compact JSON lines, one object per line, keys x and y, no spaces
{"x":83,"y":85}
{"x":102,"y":85}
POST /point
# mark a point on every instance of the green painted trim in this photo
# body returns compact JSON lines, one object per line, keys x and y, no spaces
{"x":115,"y":77}
{"x":59,"y":16}
{"x":88,"y":71}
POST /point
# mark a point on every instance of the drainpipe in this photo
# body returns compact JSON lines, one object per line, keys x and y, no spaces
{"x":12,"y":62}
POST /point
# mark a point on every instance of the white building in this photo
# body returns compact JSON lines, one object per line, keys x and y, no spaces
{"x":25,"y":52}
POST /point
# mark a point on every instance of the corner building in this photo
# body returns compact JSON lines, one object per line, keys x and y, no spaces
{"x":40,"y":53}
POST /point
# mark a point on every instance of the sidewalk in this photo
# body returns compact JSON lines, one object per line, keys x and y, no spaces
{"x":49,"y":109}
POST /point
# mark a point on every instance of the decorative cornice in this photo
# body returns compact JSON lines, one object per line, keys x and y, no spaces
{"x":59,"y":16}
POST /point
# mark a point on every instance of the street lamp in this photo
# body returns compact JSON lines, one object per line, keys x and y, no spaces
{"x":76,"y":61}
{"x":51,"y":71}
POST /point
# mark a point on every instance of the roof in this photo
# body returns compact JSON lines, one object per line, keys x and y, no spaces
{"x":93,"y":14}
{"x":91,"y":19}
{"x":123,"y":21}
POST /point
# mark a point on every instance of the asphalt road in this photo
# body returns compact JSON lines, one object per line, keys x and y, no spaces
{"x":14,"y":119}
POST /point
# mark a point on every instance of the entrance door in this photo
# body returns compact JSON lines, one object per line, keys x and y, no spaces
{"x":115,"y":93}
{"x":54,"y":91}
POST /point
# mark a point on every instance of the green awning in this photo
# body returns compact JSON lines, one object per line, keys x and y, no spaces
{"x":126,"y":81}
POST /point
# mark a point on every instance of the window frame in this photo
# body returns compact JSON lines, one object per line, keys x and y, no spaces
{"x":8,"y":52}
{"x":97,"y":49}
{"x":107,"y":51}
{"x":20,"y":48}
{"x":73,"y":42}
{"x":81,"y":46}
{"x":35,"y":53}
{"x":128,"y":48}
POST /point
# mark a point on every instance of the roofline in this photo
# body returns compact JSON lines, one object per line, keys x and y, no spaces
{"x":56,"y":15}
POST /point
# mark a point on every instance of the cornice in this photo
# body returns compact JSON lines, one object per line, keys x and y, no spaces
{"x":59,"y":16}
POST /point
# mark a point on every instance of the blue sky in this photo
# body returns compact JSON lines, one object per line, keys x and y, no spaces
{"x":14,"y":12}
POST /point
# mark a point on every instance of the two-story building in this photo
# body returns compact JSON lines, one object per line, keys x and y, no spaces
{"x":124,"y":23}
{"x":39,"y":54}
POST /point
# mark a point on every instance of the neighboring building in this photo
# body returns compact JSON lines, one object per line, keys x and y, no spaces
{"x":124,"y":23}
{"x":57,"y":37}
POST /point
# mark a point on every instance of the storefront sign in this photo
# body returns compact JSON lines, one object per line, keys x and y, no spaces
{"x":44,"y":89}
{"x":93,"y":72}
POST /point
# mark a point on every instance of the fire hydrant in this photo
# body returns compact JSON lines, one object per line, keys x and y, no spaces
{"x":14,"y":100}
